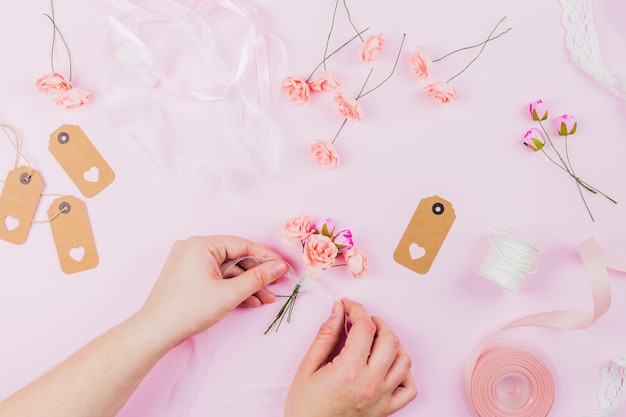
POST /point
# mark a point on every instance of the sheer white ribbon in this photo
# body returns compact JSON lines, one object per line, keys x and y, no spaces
{"x":209,"y":64}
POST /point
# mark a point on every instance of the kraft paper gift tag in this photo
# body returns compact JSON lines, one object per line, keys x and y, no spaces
{"x":18,"y":203}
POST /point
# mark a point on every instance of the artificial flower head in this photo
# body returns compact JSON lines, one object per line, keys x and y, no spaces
{"x":533,"y":139}
{"x":538,"y":110}
{"x":356,"y":262}
{"x":53,"y":83}
{"x":319,"y":253}
{"x":348,"y":107}
{"x":295,"y":229}
{"x":566,"y":125}
{"x":324,"y":153}
{"x":420,"y":63}
{"x":325,"y":227}
{"x":343,"y":240}
{"x":372,"y":48}
{"x":296,"y":90}
{"x":73,"y":98}
{"x":441,"y":92}
{"x":323,"y":81}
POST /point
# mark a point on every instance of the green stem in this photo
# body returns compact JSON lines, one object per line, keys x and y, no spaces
{"x":334,"y":52}
{"x":345,"y":5}
{"x":565,"y":166}
{"x":330,"y":32}
{"x":395,"y":64}
{"x":54,"y":35}
{"x":473,"y":46}
{"x":479,"y":52}
{"x":287,"y":307}
{"x":67,"y":48}
{"x":339,"y":131}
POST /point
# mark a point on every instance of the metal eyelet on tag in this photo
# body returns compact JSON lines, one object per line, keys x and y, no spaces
{"x":80,"y":159}
{"x":18,"y":203}
{"x":425,"y":234}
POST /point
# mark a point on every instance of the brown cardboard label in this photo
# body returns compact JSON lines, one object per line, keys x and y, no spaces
{"x":18,"y":203}
{"x":72,"y":235}
{"x":80,"y":159}
{"x":425,"y":234}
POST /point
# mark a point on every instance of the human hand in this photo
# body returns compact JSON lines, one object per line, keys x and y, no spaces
{"x":369,"y":378}
{"x":191,"y":294}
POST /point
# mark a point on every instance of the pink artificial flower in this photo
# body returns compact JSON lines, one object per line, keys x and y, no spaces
{"x":566,"y":125}
{"x":324,"y":153}
{"x":538,"y":110}
{"x":296,"y":90}
{"x":53,"y":83}
{"x":325,"y":227}
{"x":319,"y":253}
{"x":372,"y":48}
{"x":73,"y":98}
{"x":533,"y":139}
{"x":296,"y":229}
{"x":343,"y":240}
{"x":323,"y":81}
{"x":347,"y":106}
{"x":356,"y":262}
{"x":420,"y":63}
{"x":441,"y":92}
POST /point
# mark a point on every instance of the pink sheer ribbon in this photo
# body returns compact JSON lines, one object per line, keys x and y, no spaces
{"x":596,"y":261}
{"x":209,"y":64}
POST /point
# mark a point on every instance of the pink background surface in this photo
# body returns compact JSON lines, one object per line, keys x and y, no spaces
{"x":405,"y":149}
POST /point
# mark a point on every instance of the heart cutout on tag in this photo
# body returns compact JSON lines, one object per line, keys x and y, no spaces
{"x":77,"y":254}
{"x":92,"y":175}
{"x":416,"y":251}
{"x":11,"y":223}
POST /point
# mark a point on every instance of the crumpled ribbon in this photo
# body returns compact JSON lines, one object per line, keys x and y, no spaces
{"x":188,"y":383}
{"x":596,"y":261}
{"x":165,"y":52}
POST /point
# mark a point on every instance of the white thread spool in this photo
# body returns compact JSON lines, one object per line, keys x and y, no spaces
{"x":508,"y":261}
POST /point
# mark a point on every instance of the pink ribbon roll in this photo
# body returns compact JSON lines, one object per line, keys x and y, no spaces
{"x":484,"y":366}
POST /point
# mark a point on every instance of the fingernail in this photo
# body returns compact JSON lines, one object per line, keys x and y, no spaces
{"x":279,"y":269}
{"x":335,"y":309}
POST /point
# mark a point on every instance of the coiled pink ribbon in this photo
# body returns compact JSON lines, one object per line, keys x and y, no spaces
{"x":485,"y":371}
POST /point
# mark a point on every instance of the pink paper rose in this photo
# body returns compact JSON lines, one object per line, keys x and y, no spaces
{"x":420,"y":63}
{"x":323,"y":81}
{"x":319,"y":253}
{"x":533,"y":139}
{"x":344,"y":241}
{"x":441,"y":92}
{"x":566,"y":125}
{"x":372,"y":48}
{"x":356,"y":262}
{"x":296,"y":229}
{"x":538,"y":110}
{"x":348,"y":107}
{"x":53,"y":83}
{"x":73,"y":98}
{"x":326,"y":227}
{"x":296,"y":90}
{"x":324,"y":153}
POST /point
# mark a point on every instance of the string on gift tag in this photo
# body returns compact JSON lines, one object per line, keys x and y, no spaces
{"x":14,"y":138}
{"x":508,"y":261}
{"x":55,"y":215}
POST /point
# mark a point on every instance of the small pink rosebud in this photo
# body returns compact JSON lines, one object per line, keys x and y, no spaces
{"x":296,"y":90}
{"x":53,"y":83}
{"x":420,"y":63}
{"x":343,"y":240}
{"x":297,"y":228}
{"x":348,"y":107}
{"x":533,"y":139}
{"x":323,"y":81}
{"x":566,"y":125}
{"x":441,"y":92}
{"x":325,"y":227}
{"x":356,"y":262}
{"x":538,"y":110}
{"x":73,"y":98}
{"x":372,"y":48}
{"x":324,"y":153}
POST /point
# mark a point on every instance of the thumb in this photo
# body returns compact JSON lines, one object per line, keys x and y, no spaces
{"x":252,"y":280}
{"x":325,"y":341}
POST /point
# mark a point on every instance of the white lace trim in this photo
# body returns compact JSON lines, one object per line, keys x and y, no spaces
{"x":582,"y":41}
{"x":612,"y":390}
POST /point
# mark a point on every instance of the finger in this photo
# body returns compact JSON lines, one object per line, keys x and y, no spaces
{"x":403,"y":395}
{"x":253,"y":280}
{"x":361,"y":336}
{"x":234,"y":271}
{"x":233,"y":247}
{"x":265,"y":296}
{"x":324,"y":341}
{"x":385,"y":348}
{"x":251,"y":301}
{"x":400,"y":369}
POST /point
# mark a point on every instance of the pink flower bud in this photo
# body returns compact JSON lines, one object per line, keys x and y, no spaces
{"x":325,"y":227}
{"x":534,"y":140}
{"x":348,"y":107}
{"x":538,"y":110}
{"x":324,"y":153}
{"x":343,"y":240}
{"x":356,"y":262}
{"x":372,"y":48}
{"x":566,"y":125}
{"x":420,"y":63}
{"x":323,"y":81}
{"x":296,"y":90}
